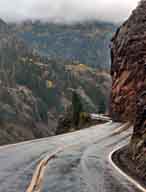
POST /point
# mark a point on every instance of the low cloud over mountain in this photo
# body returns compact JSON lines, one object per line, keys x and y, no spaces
{"x":66,"y":11}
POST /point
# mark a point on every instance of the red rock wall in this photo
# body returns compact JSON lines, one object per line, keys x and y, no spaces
{"x":129,"y":64}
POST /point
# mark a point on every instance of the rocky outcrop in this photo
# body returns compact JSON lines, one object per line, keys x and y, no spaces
{"x":20,"y":116}
{"x":129,"y":86}
{"x":129,"y":65}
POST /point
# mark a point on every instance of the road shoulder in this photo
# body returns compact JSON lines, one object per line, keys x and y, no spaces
{"x":120,"y":159}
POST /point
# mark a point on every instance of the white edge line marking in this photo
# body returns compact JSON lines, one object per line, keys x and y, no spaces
{"x":133,"y":181}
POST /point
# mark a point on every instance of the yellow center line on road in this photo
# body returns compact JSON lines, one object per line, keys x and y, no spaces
{"x":37,"y":179}
{"x":38,"y":175}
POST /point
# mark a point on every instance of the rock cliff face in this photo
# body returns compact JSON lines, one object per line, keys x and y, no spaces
{"x":129,"y":64}
{"x":129,"y":87}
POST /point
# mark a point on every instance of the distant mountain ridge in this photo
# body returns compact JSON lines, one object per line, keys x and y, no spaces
{"x":86,"y":43}
{"x":3,"y":27}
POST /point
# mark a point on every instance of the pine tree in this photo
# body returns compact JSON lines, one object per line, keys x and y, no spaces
{"x":77,"y":108}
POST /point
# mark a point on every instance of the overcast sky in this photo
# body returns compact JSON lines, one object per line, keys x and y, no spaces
{"x":66,"y":10}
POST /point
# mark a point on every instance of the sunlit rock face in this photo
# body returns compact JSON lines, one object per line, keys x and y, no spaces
{"x":129,"y":65}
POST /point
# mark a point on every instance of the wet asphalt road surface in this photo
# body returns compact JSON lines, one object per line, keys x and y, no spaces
{"x":82,"y":166}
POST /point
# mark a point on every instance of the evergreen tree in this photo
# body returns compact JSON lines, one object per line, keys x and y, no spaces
{"x":77,"y":108}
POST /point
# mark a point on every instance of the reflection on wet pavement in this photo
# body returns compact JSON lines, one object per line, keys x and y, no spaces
{"x":87,"y":168}
{"x":82,"y":167}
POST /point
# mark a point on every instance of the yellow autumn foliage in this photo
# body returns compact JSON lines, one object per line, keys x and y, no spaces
{"x":82,"y":67}
{"x":78,"y":68}
{"x":49,"y":84}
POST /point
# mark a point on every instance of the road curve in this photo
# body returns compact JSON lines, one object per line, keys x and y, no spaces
{"x":86,"y":167}
{"x":129,"y":178}
{"x":82,"y":165}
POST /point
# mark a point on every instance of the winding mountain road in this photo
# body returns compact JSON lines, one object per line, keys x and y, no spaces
{"x":80,"y":165}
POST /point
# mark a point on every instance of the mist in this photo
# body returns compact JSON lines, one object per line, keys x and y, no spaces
{"x":66,"y":11}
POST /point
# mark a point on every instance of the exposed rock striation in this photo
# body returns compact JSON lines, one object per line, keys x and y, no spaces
{"x":129,"y":65}
{"x":129,"y":86}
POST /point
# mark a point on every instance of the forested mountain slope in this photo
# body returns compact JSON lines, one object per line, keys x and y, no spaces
{"x":35,"y":88}
{"x":87,"y":43}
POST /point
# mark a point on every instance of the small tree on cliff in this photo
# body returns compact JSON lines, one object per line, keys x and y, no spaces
{"x":77,"y":108}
